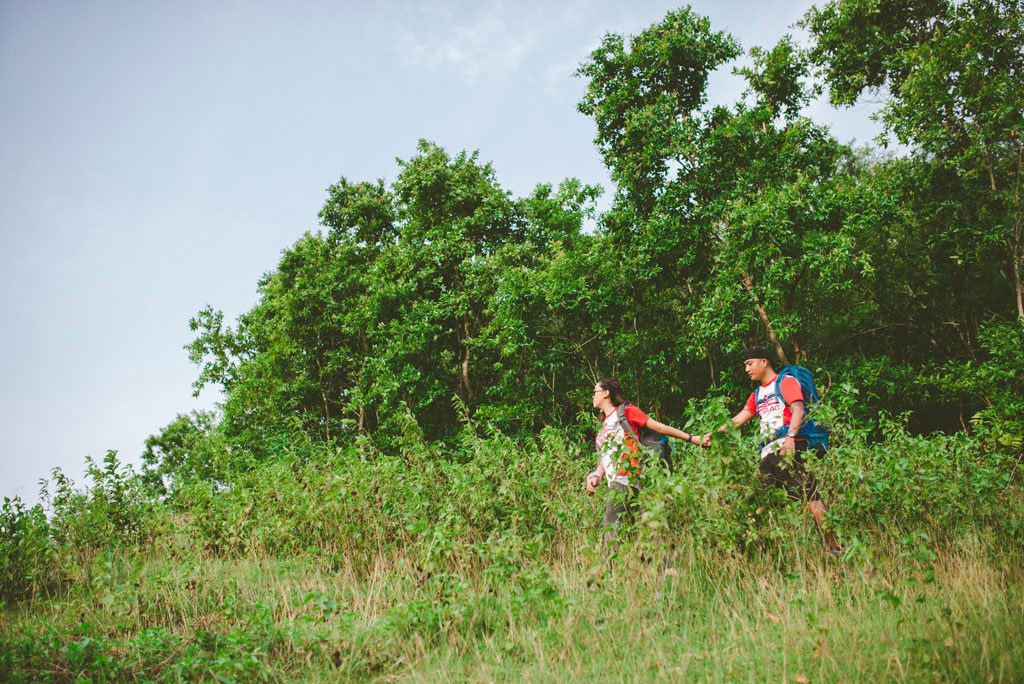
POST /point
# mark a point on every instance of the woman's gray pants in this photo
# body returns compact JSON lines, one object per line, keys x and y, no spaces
{"x":620,"y":506}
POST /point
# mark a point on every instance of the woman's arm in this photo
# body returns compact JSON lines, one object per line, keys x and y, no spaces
{"x":594,"y":479}
{"x":663,"y":429}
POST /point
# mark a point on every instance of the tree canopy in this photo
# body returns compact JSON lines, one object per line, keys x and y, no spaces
{"x":731,"y":223}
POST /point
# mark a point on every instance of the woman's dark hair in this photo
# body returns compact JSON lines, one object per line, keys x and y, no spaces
{"x":614,"y":387}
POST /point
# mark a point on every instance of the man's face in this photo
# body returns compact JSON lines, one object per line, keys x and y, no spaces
{"x":755,"y":368}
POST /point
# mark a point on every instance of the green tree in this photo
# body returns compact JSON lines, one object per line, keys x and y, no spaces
{"x":188,"y":448}
{"x":390,"y":311}
{"x":953,"y":73}
{"x":645,"y":98}
{"x":726,"y":217}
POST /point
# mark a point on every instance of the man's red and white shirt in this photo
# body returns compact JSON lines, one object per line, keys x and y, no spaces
{"x":774,"y":410}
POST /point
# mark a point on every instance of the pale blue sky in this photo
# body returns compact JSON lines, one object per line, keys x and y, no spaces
{"x":157,"y":157}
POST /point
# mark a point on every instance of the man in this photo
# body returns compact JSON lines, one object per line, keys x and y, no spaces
{"x":777,"y":412}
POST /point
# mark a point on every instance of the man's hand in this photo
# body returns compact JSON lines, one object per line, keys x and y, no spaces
{"x":706,"y":440}
{"x":788,"y":445}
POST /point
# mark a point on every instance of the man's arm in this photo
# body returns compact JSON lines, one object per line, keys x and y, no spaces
{"x":737,"y":420}
{"x":799,"y":413}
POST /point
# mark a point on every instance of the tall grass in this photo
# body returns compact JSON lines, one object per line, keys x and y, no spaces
{"x":482,"y":561}
{"x":717,"y":619}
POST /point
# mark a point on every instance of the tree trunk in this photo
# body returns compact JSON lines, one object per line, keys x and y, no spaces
{"x":327,"y":414}
{"x":323,"y":395}
{"x":711,"y":363}
{"x":464,"y":365}
{"x":1016,"y":248}
{"x":1018,"y":287}
{"x":749,"y":284}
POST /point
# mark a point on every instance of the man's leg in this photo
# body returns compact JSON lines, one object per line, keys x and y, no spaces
{"x":817,"y":509}
{"x":799,"y":485}
{"x":809,"y":487}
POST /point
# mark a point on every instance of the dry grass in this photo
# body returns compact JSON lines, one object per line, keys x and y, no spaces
{"x":718,"y":618}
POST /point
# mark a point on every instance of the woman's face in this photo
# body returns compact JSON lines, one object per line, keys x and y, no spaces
{"x":599,"y":395}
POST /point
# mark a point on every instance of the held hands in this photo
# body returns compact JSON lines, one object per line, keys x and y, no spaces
{"x":593,"y":479}
{"x":697,"y":440}
{"x":706,"y":440}
{"x":788,"y":446}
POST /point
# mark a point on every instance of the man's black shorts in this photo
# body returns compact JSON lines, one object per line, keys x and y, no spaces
{"x":788,"y":473}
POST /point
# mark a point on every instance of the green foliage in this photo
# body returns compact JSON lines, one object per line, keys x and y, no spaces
{"x":732,"y":224}
{"x":865,"y":41}
{"x":909,"y":480}
{"x":643,"y":97}
{"x":484,"y":557}
{"x":40,"y":548}
{"x":953,"y":74}
{"x":403,"y":303}
{"x":188,"y":448}
{"x":84,"y":653}
{"x":999,"y":380}
{"x":393,"y":485}
{"x":28,"y":552}
{"x":778,"y":78}
{"x":728,"y":224}
{"x":485,"y":502}
{"x":217,"y":348}
{"x":116,"y":509}
{"x":351,"y":504}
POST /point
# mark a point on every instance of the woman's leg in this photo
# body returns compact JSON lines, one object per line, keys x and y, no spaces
{"x":619,"y":507}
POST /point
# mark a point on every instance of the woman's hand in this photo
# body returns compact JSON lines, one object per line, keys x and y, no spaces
{"x":593,"y":479}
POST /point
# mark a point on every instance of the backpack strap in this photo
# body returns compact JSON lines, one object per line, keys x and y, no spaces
{"x":813,"y":434}
{"x":624,"y":423}
{"x":778,"y":393}
{"x":778,"y":389}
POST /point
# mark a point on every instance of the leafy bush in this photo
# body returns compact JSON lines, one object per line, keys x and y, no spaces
{"x":486,"y":500}
{"x":28,"y":554}
{"x":357,"y":500}
{"x":115,"y":509}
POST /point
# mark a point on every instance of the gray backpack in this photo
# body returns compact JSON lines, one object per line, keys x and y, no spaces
{"x":653,"y":445}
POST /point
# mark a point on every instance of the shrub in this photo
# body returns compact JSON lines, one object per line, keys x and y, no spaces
{"x":115,"y":509}
{"x":28,"y":558}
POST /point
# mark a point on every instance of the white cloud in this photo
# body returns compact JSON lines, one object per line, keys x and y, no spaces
{"x":486,"y":44}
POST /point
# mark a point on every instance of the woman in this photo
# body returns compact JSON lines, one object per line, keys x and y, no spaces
{"x":619,"y":454}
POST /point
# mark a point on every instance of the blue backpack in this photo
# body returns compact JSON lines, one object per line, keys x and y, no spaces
{"x":815,"y":434}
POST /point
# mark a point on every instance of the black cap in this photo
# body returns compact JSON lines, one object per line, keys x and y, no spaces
{"x":756,"y":352}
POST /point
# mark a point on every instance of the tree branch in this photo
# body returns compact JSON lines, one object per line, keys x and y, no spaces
{"x":763,"y":314}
